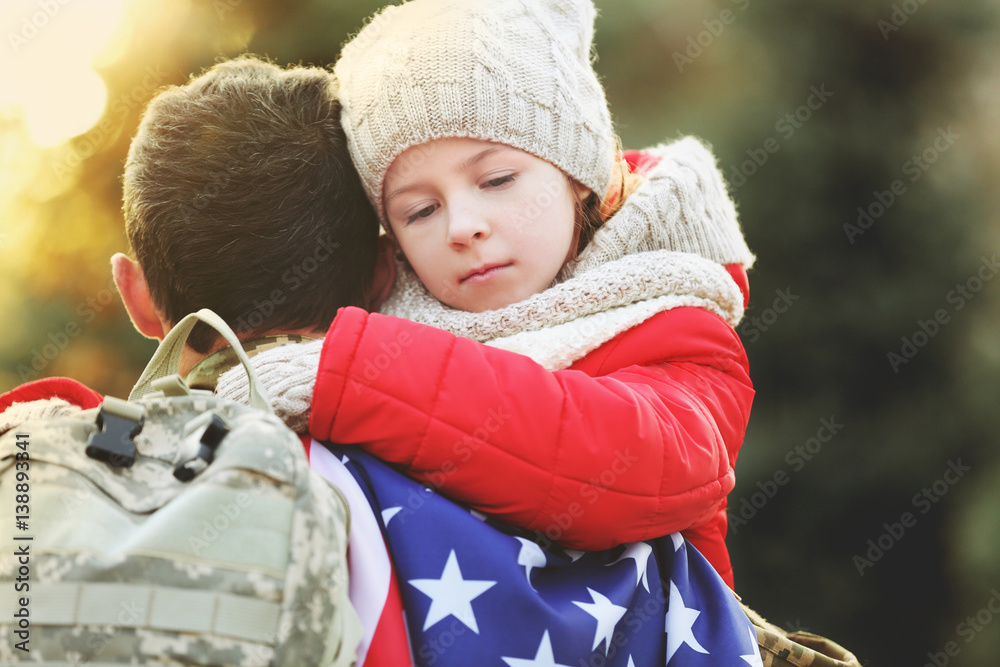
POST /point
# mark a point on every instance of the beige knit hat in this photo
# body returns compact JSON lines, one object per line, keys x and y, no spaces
{"x":516,"y":72}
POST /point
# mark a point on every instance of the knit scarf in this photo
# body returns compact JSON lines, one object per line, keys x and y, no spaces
{"x":665,"y":248}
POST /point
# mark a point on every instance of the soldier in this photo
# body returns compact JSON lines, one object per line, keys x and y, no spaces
{"x":240,"y":196}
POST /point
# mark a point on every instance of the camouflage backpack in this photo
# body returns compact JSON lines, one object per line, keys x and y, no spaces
{"x":796,"y":649}
{"x":175,"y":528}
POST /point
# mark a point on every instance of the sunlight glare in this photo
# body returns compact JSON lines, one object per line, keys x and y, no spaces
{"x":59,"y":113}
{"x":49,"y":57}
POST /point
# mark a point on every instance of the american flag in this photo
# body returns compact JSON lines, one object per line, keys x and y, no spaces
{"x":478,"y":592}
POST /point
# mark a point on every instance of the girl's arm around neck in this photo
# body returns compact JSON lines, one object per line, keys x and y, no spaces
{"x":636,"y":441}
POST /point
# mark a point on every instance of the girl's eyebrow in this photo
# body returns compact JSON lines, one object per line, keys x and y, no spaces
{"x":399,"y":191}
{"x":478,"y":157}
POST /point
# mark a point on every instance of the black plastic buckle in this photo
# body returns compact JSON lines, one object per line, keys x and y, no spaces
{"x":213,"y":434}
{"x":118,"y":422}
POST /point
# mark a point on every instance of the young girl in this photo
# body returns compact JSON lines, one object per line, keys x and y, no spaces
{"x":581,"y":376}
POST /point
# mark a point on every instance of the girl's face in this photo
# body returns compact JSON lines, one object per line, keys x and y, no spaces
{"x":482,"y":224}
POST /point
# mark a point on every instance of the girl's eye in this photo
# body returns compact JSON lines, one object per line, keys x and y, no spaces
{"x":499,"y":181}
{"x":422,"y":213}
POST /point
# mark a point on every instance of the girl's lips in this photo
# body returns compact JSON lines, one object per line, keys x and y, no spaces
{"x":483,"y":274}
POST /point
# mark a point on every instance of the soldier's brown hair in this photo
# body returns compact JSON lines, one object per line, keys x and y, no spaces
{"x":240,"y":196}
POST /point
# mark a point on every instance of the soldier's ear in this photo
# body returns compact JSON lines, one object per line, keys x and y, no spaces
{"x":131,"y":282}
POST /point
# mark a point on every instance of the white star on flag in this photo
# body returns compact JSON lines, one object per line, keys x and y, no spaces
{"x":531,"y":555}
{"x":452,"y":595}
{"x":388,"y":513}
{"x":573,"y":554}
{"x":543,"y":657}
{"x":631,"y":662}
{"x":680,"y":620}
{"x":754,"y":658}
{"x":640,"y":553}
{"x":606,"y":613}
{"x":677,"y":539}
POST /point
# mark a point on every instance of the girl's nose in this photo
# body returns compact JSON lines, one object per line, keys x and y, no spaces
{"x":466,"y":226}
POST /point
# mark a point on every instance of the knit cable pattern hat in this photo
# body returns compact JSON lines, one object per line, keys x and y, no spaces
{"x":515,"y":72}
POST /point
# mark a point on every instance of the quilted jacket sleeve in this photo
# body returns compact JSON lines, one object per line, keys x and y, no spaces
{"x":636,"y":441}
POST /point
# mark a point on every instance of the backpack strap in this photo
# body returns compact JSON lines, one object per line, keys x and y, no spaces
{"x":167,"y":358}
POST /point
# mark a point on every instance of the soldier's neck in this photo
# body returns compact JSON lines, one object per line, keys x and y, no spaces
{"x":190,"y":357}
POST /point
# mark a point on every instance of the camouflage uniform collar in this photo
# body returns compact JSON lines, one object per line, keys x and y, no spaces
{"x":205,"y":374}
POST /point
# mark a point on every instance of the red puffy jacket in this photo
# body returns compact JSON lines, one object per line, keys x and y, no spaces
{"x":636,"y":440}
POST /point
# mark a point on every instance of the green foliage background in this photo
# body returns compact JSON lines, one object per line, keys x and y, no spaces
{"x":730,"y":72}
